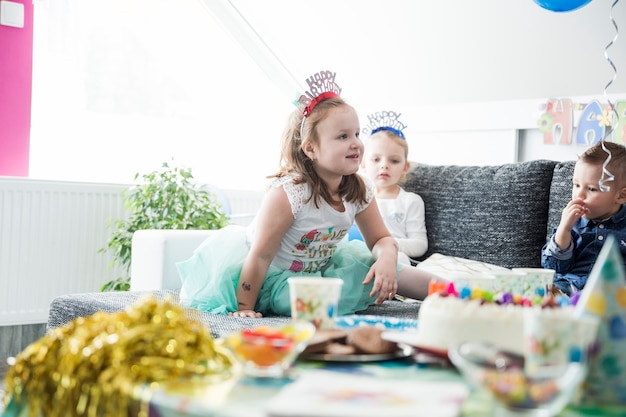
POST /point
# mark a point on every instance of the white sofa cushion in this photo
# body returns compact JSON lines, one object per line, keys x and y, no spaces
{"x":155,"y":253}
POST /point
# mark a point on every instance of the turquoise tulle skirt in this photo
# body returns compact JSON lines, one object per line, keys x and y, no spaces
{"x":210,"y":277}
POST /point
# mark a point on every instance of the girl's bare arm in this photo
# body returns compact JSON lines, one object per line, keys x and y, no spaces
{"x":273,"y":220}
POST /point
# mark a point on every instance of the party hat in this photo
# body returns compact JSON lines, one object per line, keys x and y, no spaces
{"x":604,"y":296}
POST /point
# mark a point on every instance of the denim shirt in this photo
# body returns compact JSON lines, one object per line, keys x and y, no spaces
{"x":574,"y":264}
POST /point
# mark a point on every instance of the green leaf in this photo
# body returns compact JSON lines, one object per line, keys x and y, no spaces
{"x":163,"y":199}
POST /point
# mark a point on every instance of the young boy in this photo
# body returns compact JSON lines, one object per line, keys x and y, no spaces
{"x":591,"y":216}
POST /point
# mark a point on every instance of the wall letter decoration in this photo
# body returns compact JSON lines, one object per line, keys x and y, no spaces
{"x":558,"y":121}
{"x":589,"y":129}
{"x":619,"y":123}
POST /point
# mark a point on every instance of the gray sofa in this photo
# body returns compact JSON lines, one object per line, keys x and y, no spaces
{"x":496,"y":214}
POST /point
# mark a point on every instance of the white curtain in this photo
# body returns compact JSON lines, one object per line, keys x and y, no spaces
{"x":121,"y":86}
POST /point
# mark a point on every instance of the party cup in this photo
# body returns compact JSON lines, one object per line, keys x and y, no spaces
{"x":554,"y":339}
{"x":537,"y":278}
{"x":315,"y":300}
{"x":482,"y":282}
{"x":507,"y":281}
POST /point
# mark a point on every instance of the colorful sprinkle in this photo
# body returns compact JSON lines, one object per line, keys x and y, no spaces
{"x":507,"y":298}
{"x":448,"y":289}
{"x":465,"y":293}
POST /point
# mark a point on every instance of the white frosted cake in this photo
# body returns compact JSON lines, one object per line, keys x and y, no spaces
{"x":445,"y":321}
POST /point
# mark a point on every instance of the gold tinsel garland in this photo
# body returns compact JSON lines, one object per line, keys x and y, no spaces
{"x":95,"y":366}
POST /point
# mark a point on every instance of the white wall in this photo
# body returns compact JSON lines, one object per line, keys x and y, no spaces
{"x":121,"y":87}
{"x":531,"y":147}
{"x":405,"y":53}
{"x":489,"y":133}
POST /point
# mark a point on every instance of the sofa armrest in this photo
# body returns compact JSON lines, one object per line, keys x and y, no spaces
{"x":155,"y":254}
{"x":66,"y":308}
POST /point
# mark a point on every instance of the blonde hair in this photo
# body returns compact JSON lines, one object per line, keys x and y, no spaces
{"x":293,"y":160}
{"x":388,"y":134}
{"x":394,"y":138}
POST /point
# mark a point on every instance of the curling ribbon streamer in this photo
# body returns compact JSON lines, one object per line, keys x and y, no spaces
{"x":606,"y":175}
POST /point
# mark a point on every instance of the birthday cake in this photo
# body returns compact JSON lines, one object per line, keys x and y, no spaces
{"x":446,"y":319}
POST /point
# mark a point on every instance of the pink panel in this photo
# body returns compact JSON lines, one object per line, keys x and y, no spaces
{"x":562,"y":114}
{"x":16,"y":64}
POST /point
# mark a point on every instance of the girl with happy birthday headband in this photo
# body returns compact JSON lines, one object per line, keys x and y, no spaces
{"x":386,"y":165}
{"x":301,"y":228}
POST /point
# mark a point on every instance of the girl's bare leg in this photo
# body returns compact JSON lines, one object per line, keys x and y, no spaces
{"x":413,"y":282}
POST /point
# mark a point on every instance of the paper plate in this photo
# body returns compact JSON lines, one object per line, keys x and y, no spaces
{"x":404,"y":351}
{"x":413,"y":339}
{"x":390,"y":323}
{"x":358,"y":320}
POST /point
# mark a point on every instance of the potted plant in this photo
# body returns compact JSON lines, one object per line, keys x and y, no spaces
{"x":164,"y":199}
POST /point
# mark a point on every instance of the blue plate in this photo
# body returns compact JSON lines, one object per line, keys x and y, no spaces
{"x":392,"y":323}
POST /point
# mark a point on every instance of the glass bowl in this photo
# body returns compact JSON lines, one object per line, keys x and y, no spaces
{"x":516,"y":393}
{"x":265,"y":351}
{"x":548,"y":376}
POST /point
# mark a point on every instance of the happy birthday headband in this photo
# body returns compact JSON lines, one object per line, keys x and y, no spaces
{"x":385,"y":120}
{"x":322,"y":86}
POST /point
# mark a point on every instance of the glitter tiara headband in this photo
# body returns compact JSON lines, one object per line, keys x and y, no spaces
{"x":384,"y":120}
{"x":322,"y":86}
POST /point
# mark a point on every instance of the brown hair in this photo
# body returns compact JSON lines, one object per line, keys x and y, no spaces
{"x":293,"y":160}
{"x":596,"y":155}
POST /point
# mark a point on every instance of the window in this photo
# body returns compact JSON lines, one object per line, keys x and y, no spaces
{"x":119,"y":87}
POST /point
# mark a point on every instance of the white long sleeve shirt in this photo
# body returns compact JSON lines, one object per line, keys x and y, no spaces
{"x":405,"y":220}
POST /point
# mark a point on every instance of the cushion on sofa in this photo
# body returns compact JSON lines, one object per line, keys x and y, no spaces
{"x":65,"y":308}
{"x":155,"y":253}
{"x":560,"y":193}
{"x":495,"y":214}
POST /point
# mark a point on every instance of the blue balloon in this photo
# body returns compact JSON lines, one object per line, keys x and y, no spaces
{"x":562,"y":5}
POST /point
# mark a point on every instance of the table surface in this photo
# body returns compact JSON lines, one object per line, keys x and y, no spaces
{"x":249,"y":397}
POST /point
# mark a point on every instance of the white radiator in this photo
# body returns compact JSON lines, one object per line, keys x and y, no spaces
{"x":50,"y":235}
{"x":243,"y":205}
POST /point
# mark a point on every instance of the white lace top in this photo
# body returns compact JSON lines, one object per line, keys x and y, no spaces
{"x":312,"y":239}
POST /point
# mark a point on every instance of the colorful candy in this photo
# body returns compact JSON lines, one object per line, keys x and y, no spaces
{"x":515,"y":389}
